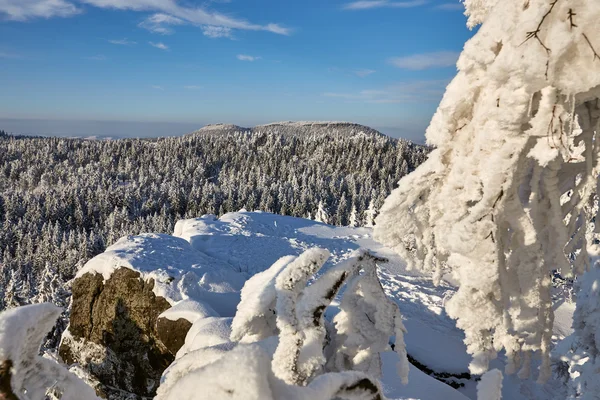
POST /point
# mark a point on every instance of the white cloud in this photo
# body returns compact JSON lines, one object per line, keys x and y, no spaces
{"x":192,"y":87}
{"x":156,"y":87}
{"x":99,"y":57}
{"x":123,"y":42}
{"x":159,"y":45}
{"x":244,"y":57}
{"x":191,"y":15}
{"x":438,"y":59}
{"x":404,"y":92}
{"x":369,"y":4}
{"x":364,"y":72}
{"x":214,"y":32}
{"x":450,"y":6}
{"x":159,"y":23}
{"x":176,"y":10}
{"x":22,"y":10}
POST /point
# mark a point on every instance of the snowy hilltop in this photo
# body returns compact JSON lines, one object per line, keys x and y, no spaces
{"x":296,"y":128}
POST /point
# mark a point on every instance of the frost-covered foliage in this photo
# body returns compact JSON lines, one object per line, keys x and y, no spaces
{"x":22,"y":331}
{"x":509,"y":194}
{"x":284,"y":348}
{"x":490,"y":386}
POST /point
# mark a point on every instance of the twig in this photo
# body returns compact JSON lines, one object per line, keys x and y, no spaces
{"x":550,"y":131}
{"x":571,"y":15}
{"x":535,"y":33}
{"x":596,"y":56}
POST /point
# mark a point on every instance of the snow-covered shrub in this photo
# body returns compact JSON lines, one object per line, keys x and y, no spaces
{"x":284,"y":348}
{"x":22,"y":331}
{"x":509,"y":193}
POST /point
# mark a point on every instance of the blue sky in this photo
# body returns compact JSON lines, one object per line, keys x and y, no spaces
{"x":187,"y":63}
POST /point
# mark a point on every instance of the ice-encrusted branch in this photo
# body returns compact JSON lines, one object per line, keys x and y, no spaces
{"x":256,"y":314}
{"x":289,"y":285}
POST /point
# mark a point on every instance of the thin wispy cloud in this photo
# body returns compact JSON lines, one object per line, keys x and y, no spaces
{"x":214,"y":32}
{"x":176,"y":10}
{"x":422,"y":61}
{"x":192,"y":87}
{"x":98,"y":57}
{"x":22,"y":10}
{"x":404,"y":92}
{"x":161,"y":23}
{"x":363,"y":73}
{"x":360,"y":72}
{"x":370,"y":4}
{"x":123,"y":42}
{"x":450,"y":7}
{"x":245,"y":57}
{"x":159,"y":45}
{"x":157,"y":87}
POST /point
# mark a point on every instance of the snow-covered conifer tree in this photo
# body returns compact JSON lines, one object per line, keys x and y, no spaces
{"x":370,"y":214}
{"x":353,"y":220}
{"x":504,"y":199}
{"x":321,"y":214}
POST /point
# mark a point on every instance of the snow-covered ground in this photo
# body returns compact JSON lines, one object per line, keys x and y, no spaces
{"x":203,"y":266}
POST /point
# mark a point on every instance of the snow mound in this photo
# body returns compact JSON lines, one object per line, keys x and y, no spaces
{"x":178,"y":271}
{"x":253,"y":241}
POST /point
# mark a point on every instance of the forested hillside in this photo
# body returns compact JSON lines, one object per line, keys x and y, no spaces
{"x":63,"y":201}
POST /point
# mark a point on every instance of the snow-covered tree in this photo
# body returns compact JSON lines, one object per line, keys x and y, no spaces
{"x":31,"y":376}
{"x":321,"y":215}
{"x":353,"y":220}
{"x":370,"y":214}
{"x":507,"y":195}
{"x":50,"y":288}
{"x":14,"y":292}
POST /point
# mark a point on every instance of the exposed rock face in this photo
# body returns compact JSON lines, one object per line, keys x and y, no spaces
{"x":116,"y":334}
{"x":6,"y":392}
{"x":172,"y":333}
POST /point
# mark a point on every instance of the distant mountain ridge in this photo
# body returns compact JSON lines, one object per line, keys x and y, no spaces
{"x":296,"y":128}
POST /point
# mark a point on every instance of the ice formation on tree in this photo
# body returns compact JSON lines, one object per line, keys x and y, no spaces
{"x":22,"y":331}
{"x":284,"y":345}
{"x":490,"y":386}
{"x":509,"y":193}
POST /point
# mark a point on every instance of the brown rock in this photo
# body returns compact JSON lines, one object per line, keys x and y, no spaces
{"x":116,"y":333}
{"x":172,"y":333}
